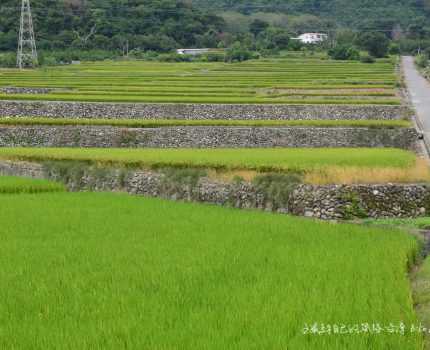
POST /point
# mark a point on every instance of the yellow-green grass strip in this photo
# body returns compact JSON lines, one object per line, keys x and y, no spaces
{"x":156,"y":123}
{"x":271,"y":159}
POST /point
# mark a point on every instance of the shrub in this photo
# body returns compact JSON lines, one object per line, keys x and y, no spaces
{"x":213,"y":57}
{"x":47,"y":60}
{"x":295,"y":45}
{"x":366,"y":58}
{"x":174,"y":57}
{"x":182,"y":182}
{"x":238,"y":53}
{"x":144,"y":55}
{"x":7,"y":60}
{"x":394,"y":49}
{"x":422,"y":60}
{"x":277,"y":188}
{"x":344,"y":52}
{"x":376,"y":43}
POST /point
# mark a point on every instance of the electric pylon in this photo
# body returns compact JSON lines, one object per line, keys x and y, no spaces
{"x":27,"y":53}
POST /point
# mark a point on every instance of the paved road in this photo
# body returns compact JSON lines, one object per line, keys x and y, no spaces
{"x":419,"y":90}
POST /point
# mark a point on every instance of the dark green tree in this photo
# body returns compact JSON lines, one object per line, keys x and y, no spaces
{"x":376,"y":43}
{"x":258,"y":26}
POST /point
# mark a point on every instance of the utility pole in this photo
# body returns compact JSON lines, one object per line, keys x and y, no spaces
{"x":27,"y":53}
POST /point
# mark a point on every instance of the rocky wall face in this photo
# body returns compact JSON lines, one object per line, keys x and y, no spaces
{"x":25,"y":90}
{"x":25,"y":169}
{"x":360,"y":201}
{"x":205,"y":137}
{"x":328,"y":202}
{"x":199,"y":111}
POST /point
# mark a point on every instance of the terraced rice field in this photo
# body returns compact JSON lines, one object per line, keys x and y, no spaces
{"x":92,"y":271}
{"x":111,"y":271}
{"x":318,"y":166}
{"x":273,"y":81}
{"x":274,"y":159}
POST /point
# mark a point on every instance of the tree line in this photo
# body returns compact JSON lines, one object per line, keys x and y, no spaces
{"x":152,"y":29}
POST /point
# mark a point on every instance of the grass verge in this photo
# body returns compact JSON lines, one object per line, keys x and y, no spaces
{"x":415,"y":223}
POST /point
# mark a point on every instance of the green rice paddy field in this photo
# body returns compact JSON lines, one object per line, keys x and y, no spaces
{"x":275,"y":159}
{"x":110,"y":271}
{"x":315,"y":166}
{"x":288,"y":80}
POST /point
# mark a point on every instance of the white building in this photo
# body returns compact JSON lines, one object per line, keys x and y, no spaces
{"x":193,"y":52}
{"x":312,"y":38}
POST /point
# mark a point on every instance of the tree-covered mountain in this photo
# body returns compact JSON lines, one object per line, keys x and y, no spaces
{"x":107,"y":24}
{"x":356,"y":13}
{"x":162,"y":25}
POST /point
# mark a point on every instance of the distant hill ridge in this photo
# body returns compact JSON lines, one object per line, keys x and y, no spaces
{"x":357,"y":13}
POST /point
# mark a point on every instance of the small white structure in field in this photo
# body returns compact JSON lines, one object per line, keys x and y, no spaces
{"x":312,"y":38}
{"x":192,"y":52}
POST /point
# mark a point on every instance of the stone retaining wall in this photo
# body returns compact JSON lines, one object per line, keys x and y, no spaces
{"x":331,"y":202}
{"x":360,"y":201}
{"x":25,"y":90}
{"x":207,"y":137}
{"x":198,"y":111}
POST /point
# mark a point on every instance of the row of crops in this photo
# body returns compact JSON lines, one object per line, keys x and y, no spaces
{"x":292,"y":81}
{"x":157,"y":123}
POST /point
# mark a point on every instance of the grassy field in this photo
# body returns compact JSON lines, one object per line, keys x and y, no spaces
{"x":87,"y":271}
{"x":156,"y":123}
{"x":11,"y":184}
{"x":291,"y":81}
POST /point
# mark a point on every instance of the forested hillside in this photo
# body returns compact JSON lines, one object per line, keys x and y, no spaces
{"x":342,"y":12}
{"x":107,"y":24}
{"x":142,"y":26}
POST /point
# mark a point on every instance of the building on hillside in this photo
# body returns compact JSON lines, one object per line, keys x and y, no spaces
{"x":312,"y":38}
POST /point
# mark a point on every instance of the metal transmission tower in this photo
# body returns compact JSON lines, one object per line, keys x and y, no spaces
{"x":27,"y":54}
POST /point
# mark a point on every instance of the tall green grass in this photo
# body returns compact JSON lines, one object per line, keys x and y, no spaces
{"x":105,"y":271}
{"x":12,"y":184}
{"x":275,"y":159}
